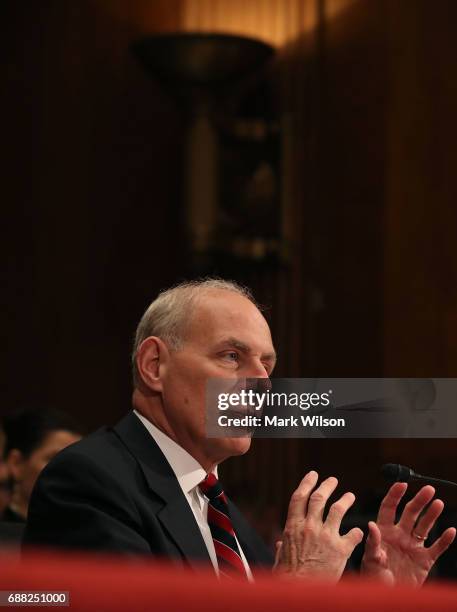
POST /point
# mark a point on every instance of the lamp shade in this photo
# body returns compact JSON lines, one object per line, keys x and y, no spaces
{"x":200,"y":60}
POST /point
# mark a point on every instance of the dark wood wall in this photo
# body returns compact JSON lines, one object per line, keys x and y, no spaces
{"x":90,"y":186}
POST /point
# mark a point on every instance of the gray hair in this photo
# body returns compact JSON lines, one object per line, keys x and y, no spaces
{"x":167,"y":316}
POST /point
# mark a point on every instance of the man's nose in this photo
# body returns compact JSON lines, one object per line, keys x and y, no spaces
{"x":258,"y":378}
{"x":257,"y":369}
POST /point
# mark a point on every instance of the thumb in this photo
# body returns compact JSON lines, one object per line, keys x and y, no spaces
{"x":278,"y":547}
{"x":373,"y":543}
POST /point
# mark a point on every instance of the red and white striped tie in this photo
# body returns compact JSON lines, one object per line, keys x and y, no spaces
{"x":227,"y":550}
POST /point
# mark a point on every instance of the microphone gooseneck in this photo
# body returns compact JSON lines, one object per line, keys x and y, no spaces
{"x":394,"y":472}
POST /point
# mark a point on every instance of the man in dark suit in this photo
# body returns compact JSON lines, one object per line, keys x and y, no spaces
{"x":115,"y":491}
{"x":149,"y":485}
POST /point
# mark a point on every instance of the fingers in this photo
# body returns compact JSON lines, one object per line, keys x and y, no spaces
{"x":414,"y":507}
{"x":309,"y":503}
{"x":319,"y":498}
{"x":389,"y":505}
{"x":442,"y":543}
{"x":353,"y":538}
{"x":299,"y":499}
{"x":338,"y":510}
{"x":427,"y":521}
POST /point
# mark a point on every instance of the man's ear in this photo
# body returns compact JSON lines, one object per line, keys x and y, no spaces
{"x":152,"y":356}
{"x":15,"y":463}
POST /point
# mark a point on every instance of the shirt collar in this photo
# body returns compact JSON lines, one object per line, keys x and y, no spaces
{"x":187,"y":469}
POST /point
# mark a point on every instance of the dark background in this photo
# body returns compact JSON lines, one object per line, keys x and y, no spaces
{"x":92,"y":200}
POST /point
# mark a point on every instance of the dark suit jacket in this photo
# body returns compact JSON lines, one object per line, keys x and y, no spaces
{"x":115,"y":491}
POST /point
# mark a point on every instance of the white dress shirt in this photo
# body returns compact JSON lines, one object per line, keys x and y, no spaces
{"x":189,"y":474}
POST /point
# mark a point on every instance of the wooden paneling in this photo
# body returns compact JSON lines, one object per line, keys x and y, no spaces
{"x":421,"y":214}
{"x":92,"y":148}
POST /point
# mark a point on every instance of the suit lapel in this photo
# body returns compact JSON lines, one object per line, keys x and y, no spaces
{"x":176,"y":515}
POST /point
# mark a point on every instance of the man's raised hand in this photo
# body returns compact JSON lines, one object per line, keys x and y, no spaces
{"x":395,"y":552}
{"x":311,"y":547}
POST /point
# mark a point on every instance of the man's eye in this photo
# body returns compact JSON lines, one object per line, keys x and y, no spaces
{"x":232,"y":356}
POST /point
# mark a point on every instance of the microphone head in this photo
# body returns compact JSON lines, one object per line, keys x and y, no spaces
{"x":397,"y":473}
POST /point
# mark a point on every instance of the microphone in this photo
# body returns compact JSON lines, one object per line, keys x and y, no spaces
{"x":400,"y":473}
